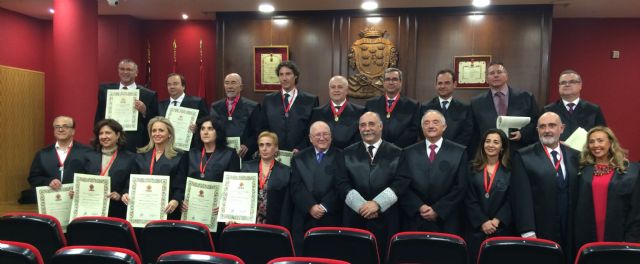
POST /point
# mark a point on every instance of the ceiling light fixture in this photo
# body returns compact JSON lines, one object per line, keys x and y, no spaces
{"x":185,"y":16}
{"x":51,"y":11}
{"x":266,"y":8}
{"x":369,"y":5}
{"x":481,"y":3}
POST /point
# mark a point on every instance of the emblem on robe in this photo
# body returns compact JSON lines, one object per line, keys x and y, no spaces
{"x":369,"y":56}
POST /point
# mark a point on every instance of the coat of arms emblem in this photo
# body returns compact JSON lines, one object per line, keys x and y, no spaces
{"x":370,"y":56}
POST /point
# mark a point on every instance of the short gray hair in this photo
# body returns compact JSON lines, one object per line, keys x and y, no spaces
{"x":442,"y":119}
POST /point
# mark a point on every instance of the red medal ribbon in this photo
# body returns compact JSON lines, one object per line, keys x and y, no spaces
{"x":557,"y":165}
{"x":105,"y":169}
{"x":339,"y":112}
{"x":60,"y":162}
{"x":288,"y":106}
{"x":153,"y":161}
{"x":233,"y":106}
{"x":263,"y":177}
{"x":203,"y":167}
{"x":393,"y":105}
{"x":488,"y":185}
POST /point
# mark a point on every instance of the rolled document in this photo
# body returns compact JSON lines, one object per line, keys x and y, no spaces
{"x":505,"y":122}
{"x":577,"y":139}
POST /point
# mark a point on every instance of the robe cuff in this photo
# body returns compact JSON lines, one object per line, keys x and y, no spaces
{"x":324,"y":208}
{"x":528,"y":234}
{"x":386,"y":199}
{"x":354,"y":200}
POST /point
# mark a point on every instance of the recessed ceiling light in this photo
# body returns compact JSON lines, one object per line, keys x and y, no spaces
{"x":185,"y":16}
{"x":369,"y":5}
{"x":51,"y":11}
{"x":266,"y":8}
{"x":481,"y":3}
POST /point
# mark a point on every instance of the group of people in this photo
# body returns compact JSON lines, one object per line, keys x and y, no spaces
{"x":391,"y":165}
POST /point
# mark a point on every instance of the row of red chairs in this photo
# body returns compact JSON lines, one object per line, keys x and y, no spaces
{"x":262,"y":243}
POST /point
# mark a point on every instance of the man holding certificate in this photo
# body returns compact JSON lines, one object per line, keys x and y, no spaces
{"x":146,"y":105}
{"x":176,"y":85}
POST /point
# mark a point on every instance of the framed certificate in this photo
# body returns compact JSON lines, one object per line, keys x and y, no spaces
{"x":91,"y":195}
{"x":284,"y":157}
{"x":148,"y":196}
{"x":239,"y":197}
{"x":202,"y":197}
{"x":56,"y":203}
{"x":265,"y":61}
{"x":181,"y":118}
{"x":471,"y":71}
{"x":120,"y":107}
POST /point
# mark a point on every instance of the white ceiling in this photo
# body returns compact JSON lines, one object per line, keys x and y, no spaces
{"x":205,"y":9}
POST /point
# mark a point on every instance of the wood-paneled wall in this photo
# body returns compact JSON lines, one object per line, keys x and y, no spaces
{"x":21,"y":131}
{"x":427,"y":41}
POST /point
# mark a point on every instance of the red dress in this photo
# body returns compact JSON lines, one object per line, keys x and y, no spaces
{"x":600,"y":188}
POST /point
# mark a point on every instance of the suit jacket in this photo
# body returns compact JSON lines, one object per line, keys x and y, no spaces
{"x":245,"y":123}
{"x":292,"y":131}
{"x":440,"y":184}
{"x":622,"y":221}
{"x":521,"y":103}
{"x":402,"y":127}
{"x":189,"y":101}
{"x":459,"y":120}
{"x":175,"y":168}
{"x":344,"y":132}
{"x":123,"y":165}
{"x":535,"y":196}
{"x":140,"y":137}
{"x":45,"y":165}
{"x":278,"y":200}
{"x":586,"y":115}
{"x":221,"y":160}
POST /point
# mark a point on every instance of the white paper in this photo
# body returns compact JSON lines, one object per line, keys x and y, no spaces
{"x":577,"y":139}
{"x":121,"y":107}
{"x":202,"y":197}
{"x":181,"y":119}
{"x":284,"y":157}
{"x":239,"y":198}
{"x":505,"y":122}
{"x":148,"y":196}
{"x":56,"y":203}
{"x":91,"y":195}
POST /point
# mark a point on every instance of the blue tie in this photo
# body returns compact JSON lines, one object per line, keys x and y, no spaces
{"x":319,"y":157}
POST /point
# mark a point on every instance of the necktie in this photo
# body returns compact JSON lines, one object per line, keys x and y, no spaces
{"x":319,"y":157}
{"x":432,"y":153}
{"x":571,"y":105}
{"x":125,"y":88}
{"x":444,"y":105}
{"x":389,"y":103}
{"x":502,"y":104}
{"x":560,"y":176}
{"x":337,"y":108}
{"x":371,"y":151}
{"x":175,"y":103}
{"x":286,"y":100}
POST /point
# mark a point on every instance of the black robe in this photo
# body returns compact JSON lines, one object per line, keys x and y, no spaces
{"x":245,"y":122}
{"x":45,"y":165}
{"x":459,"y":120}
{"x":278,"y":198}
{"x":121,"y":168}
{"x":585,"y":115}
{"x":293,"y":128}
{"x":402,"y":126}
{"x":344,"y":132}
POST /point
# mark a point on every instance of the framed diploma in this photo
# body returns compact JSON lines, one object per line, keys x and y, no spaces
{"x":202,"y":197}
{"x":471,"y":71}
{"x":148,"y":196}
{"x":181,"y":118}
{"x":284,"y":157}
{"x":265,"y":61}
{"x":91,"y":195}
{"x":56,"y":203}
{"x":239,"y":197}
{"x":120,"y":107}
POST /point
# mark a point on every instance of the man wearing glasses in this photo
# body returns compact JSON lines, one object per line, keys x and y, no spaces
{"x":56,"y":164}
{"x":400,"y":114}
{"x":574,"y":111}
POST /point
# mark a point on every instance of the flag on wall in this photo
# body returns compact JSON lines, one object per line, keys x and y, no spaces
{"x":175,"y":64}
{"x":201,"y":90}
{"x":148,"y":84}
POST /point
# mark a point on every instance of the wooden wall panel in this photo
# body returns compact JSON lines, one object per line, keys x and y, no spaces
{"x":21,"y":131}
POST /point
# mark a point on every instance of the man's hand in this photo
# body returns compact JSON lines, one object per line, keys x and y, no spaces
{"x":243,"y":151}
{"x":368,"y":209}
{"x":515,"y":136}
{"x":488,"y":227}
{"x":55,"y":184}
{"x":316,"y":211}
{"x":140,"y":106}
{"x":427,"y":213}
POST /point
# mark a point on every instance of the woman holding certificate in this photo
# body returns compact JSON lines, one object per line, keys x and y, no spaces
{"x":111,"y":159}
{"x":159,"y":157}
{"x":273,"y":179}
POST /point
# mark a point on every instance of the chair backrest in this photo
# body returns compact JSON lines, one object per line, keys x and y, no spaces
{"x":159,"y":237}
{"x":19,"y":253}
{"x":349,"y":244}
{"x":498,"y":250}
{"x":609,"y":252}
{"x":44,"y":232}
{"x":256,"y":243}
{"x":94,"y":254}
{"x":198,"y":257}
{"x":102,"y":231}
{"x":426,"y":247}
{"x":306,"y":260}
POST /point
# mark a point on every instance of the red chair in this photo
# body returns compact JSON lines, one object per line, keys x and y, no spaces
{"x":349,"y":244}
{"x":609,"y":252}
{"x":305,"y":260}
{"x":426,"y":247}
{"x":44,"y":232}
{"x":162,"y":236}
{"x":256,"y":243}
{"x":102,"y":231}
{"x":197,"y":257}
{"x":94,"y":254}
{"x":499,"y":250}
{"x":19,"y":253}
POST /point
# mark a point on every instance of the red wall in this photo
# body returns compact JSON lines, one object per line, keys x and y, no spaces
{"x":585,"y":45}
{"x":22,"y":41}
{"x":119,"y":37}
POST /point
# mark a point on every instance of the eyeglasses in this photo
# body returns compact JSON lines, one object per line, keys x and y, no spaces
{"x":321,"y":135}
{"x":62,"y":127}
{"x":391,"y":79}
{"x":572,"y":82}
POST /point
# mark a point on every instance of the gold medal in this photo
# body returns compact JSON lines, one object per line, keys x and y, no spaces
{"x":336,"y":118}
{"x":388,"y":115}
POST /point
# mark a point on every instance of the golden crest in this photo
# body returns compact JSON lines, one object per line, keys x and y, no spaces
{"x":370,"y":56}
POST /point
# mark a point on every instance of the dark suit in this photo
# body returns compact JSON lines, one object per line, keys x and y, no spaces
{"x":622,"y":221}
{"x":481,"y":209}
{"x":440,"y":184}
{"x":292,"y":131}
{"x":370,"y":179}
{"x":459,"y":120}
{"x":344,"y":132}
{"x":313,"y":183}
{"x":245,"y":122}
{"x":140,"y":137}
{"x":402,"y":127}
{"x":539,"y":202}
{"x":188,"y":101}
{"x":484,"y":113}
{"x":278,"y":200}
{"x":45,"y":165}
{"x":586,"y":115}
{"x":123,"y":165}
